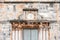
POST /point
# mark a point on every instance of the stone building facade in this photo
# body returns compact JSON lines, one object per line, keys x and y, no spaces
{"x":15,"y":11}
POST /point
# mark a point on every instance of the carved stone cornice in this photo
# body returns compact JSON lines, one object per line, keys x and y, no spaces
{"x":24,"y":24}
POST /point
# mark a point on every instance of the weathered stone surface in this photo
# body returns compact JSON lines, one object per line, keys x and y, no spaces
{"x":13,"y":11}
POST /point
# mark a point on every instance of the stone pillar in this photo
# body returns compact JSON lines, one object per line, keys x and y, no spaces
{"x":43,"y":33}
{"x":17,"y":35}
{"x":46,"y":34}
{"x":20,"y":34}
{"x":40,"y":34}
{"x":13,"y":35}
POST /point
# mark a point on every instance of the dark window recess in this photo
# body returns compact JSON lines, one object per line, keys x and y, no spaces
{"x":51,"y":4}
{"x":30,"y":9}
{"x":59,"y":28}
{"x":14,"y":7}
{"x":59,"y":6}
{"x":26,"y":23}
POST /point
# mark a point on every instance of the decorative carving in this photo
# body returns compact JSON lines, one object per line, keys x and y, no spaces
{"x":27,"y":24}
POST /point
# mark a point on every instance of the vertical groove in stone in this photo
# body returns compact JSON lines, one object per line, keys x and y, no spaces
{"x":48,"y":34}
{"x":43,"y":34}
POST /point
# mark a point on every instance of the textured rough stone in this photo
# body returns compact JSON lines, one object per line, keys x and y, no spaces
{"x":13,"y":11}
